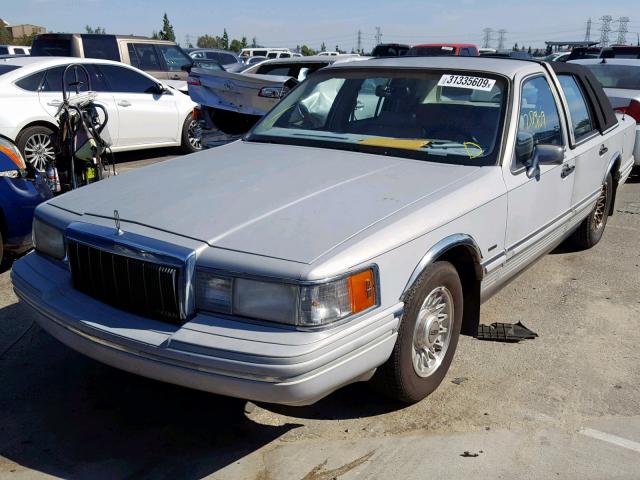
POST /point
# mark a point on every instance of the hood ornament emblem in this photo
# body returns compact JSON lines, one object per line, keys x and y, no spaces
{"x":116,"y":217}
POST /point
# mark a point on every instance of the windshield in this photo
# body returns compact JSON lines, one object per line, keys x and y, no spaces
{"x":449,"y":117}
{"x":617,"y":76}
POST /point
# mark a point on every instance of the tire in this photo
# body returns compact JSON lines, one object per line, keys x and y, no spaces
{"x":191,"y":135}
{"x":405,"y":376}
{"x":591,"y":229}
{"x":36,"y":146}
{"x":2,"y":259}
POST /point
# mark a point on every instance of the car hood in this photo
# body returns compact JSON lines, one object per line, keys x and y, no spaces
{"x":287,"y":202}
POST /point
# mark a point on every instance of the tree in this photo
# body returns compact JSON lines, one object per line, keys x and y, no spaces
{"x":235,"y":45}
{"x":306,"y":51}
{"x":5,"y":34}
{"x":155,"y":35}
{"x":207,"y":41}
{"x":529,"y":50}
{"x":225,"y":40}
{"x":515,"y":47}
{"x":167,"y":32}
{"x":243,"y":42}
{"x":323,"y":47}
{"x":254,"y":42}
{"x":97,"y":30}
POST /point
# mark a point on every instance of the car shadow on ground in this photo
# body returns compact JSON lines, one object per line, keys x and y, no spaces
{"x":65,"y":415}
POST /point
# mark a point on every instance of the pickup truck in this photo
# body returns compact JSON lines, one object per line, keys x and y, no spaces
{"x":233,"y":102}
{"x":339,"y":241}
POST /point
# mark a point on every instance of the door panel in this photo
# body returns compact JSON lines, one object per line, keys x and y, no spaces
{"x":540,"y":207}
{"x":146,"y":116}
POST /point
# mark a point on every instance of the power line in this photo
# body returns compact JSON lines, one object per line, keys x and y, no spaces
{"x":587,"y":37}
{"x":486,"y":37}
{"x":623,"y":28}
{"x":605,"y":28}
{"x":501,"y":38}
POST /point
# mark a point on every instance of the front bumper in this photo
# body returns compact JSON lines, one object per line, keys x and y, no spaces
{"x":215,"y":354}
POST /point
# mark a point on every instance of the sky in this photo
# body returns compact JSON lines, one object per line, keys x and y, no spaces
{"x":335,"y":22}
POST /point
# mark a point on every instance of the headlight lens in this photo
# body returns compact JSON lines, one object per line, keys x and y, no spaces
{"x":48,"y":240}
{"x":10,"y":151}
{"x":301,"y":305}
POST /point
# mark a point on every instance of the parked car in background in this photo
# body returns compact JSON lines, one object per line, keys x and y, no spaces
{"x":21,"y":191}
{"x":517,"y":54}
{"x":620,"y":79}
{"x":486,"y":50}
{"x":335,"y":243}
{"x":615,"y":51}
{"x":254,"y":60}
{"x":557,"y":57}
{"x":580,"y":53}
{"x":266,"y":52}
{"x":14,"y":50}
{"x":390,"y":50}
{"x":233,"y":102}
{"x":143,"y":112}
{"x":162,"y":59}
{"x":443,"y":50}
{"x":229,"y":60}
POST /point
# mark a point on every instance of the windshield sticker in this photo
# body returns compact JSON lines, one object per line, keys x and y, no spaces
{"x":403,"y":143}
{"x":469,"y":147}
{"x":465,"y":81}
{"x":534,"y":120}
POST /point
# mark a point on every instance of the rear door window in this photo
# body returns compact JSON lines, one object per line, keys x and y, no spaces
{"x":53,"y":79}
{"x":19,"y":51}
{"x":126,"y":80}
{"x":100,"y":46}
{"x":146,"y":57}
{"x":580,"y":117}
{"x":174,"y":57}
{"x":31,"y":82}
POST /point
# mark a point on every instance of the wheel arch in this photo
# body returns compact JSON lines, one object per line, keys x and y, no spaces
{"x":38,"y":123}
{"x":614,"y":168}
{"x":463,"y":252}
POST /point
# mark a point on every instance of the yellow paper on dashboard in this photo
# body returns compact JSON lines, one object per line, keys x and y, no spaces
{"x":403,"y":143}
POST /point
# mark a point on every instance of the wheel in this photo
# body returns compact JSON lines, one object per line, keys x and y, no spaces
{"x":36,"y":146}
{"x":591,"y":229}
{"x":191,"y":135}
{"x":427,"y":337}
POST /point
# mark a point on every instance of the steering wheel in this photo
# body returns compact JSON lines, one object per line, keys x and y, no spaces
{"x":308,"y":119}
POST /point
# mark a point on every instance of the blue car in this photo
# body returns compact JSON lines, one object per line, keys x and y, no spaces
{"x":22,"y":189}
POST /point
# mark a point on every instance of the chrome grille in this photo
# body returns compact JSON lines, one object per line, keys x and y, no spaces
{"x":137,"y":286}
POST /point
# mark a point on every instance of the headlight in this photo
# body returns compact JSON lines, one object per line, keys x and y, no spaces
{"x":11,"y":161}
{"x":306,"y":305}
{"x":48,"y":240}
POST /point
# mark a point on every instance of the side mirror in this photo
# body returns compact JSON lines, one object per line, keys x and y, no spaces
{"x":160,"y":89}
{"x":187,"y":68}
{"x":544,"y":155}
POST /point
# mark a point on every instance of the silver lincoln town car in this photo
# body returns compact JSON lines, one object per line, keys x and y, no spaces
{"x":351,"y":235}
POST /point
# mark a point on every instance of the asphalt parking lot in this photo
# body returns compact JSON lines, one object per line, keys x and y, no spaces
{"x":565,"y":405}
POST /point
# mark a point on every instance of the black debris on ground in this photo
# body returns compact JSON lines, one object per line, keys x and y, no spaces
{"x":459,"y":380}
{"x":505,"y":332}
{"x":468,"y":454}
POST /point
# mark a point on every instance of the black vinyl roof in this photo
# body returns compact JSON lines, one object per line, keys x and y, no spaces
{"x":605,"y":116}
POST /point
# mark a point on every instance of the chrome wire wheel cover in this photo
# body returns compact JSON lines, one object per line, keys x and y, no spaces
{"x":194,"y":134}
{"x":39,"y":151}
{"x":432,"y":333}
{"x":599,"y":214}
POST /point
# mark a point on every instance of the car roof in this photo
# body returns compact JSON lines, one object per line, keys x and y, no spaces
{"x":311,"y":58}
{"x":204,"y":49}
{"x":28,"y":60}
{"x":506,"y":66}
{"x":607,"y":61}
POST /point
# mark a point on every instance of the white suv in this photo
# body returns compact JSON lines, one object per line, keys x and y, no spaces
{"x":143,"y":112}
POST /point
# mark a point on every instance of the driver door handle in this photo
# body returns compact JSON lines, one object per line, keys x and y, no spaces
{"x":567,"y":170}
{"x":124,"y":103}
{"x":603,"y":150}
{"x":54,"y":103}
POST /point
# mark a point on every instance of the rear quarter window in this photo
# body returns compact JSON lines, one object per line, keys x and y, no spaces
{"x":100,"y":46}
{"x":31,"y":82}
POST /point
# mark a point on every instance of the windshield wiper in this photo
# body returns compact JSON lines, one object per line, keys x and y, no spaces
{"x":328,"y":137}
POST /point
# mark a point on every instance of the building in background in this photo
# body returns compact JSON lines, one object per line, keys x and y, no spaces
{"x":19,"y":32}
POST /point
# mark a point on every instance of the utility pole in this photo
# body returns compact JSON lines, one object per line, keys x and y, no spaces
{"x":501,"y":38}
{"x":359,"y":41}
{"x":486,"y":38}
{"x":605,"y":29}
{"x":587,"y":37}
{"x":187,"y":40}
{"x":623,"y":28}
{"x":378,"y":36}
